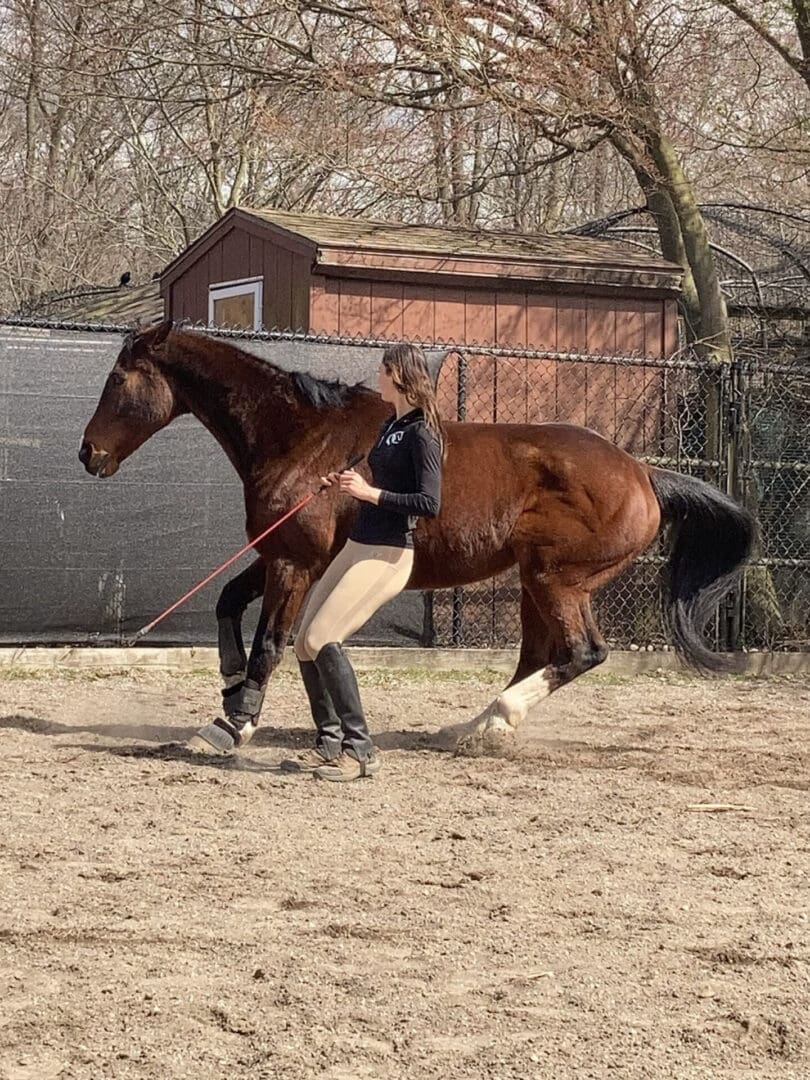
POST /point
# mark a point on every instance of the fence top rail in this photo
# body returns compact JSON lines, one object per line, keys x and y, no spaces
{"x":682,"y":360}
{"x":755,"y":366}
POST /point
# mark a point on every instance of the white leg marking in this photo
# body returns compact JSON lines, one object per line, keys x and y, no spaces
{"x":497,"y":724}
{"x":515,"y":703}
{"x":247,"y":732}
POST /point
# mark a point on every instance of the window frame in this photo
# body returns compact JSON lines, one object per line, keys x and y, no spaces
{"x":222,"y":290}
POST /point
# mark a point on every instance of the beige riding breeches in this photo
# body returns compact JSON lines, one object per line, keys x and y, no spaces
{"x":358,"y":581}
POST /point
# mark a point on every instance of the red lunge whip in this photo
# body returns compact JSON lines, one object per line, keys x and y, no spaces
{"x":144,"y":630}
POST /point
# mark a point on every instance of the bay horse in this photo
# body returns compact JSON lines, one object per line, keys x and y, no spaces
{"x":571,"y":509}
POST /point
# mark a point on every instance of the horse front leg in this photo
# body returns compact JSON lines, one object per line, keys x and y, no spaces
{"x":233,"y":601}
{"x":284,"y":590}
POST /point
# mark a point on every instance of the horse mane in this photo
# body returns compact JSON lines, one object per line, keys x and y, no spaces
{"x":322,"y":393}
{"x":304,"y":387}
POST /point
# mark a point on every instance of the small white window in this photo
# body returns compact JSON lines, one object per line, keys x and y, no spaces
{"x":236,"y":303}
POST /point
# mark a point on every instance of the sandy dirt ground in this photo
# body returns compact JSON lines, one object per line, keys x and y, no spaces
{"x":563,"y":913}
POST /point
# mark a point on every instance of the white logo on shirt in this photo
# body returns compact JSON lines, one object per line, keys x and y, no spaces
{"x":394,"y":438}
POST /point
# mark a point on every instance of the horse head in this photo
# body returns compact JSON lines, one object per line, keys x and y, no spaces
{"x":137,"y":400}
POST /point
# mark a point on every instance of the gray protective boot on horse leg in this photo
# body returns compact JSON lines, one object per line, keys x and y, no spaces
{"x":241,"y":705}
{"x":359,"y":757}
{"x":328,"y":732}
{"x":220,"y":737}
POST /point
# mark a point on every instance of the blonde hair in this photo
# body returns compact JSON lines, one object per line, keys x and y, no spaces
{"x":407,"y":366}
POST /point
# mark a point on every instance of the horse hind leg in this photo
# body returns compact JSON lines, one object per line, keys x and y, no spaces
{"x":233,"y":601}
{"x":536,"y":641}
{"x":565,"y":643}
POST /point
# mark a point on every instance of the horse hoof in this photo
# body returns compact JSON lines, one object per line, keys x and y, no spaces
{"x":211,"y":739}
{"x":498,"y":737}
{"x":446,"y":739}
{"x":493,"y":738}
{"x":471,"y":745}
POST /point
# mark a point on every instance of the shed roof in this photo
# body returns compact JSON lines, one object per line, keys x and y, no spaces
{"x":355,"y":246}
{"x":338,"y":232}
{"x":123,"y":304}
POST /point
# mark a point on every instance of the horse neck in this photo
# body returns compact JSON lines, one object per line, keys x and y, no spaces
{"x":247,"y":406}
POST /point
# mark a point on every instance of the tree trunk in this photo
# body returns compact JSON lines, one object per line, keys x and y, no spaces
{"x":673,"y":248}
{"x":554,"y":197}
{"x":444,"y":194}
{"x":31,"y":97}
{"x":801,"y":15}
{"x":670,"y":236}
{"x":715,"y":339}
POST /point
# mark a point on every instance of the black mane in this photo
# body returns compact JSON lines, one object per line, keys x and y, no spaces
{"x":307,"y":388}
{"x":321,"y":393}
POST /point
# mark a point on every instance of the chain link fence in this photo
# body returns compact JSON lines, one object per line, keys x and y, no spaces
{"x":770,"y":473}
{"x":742,"y":427}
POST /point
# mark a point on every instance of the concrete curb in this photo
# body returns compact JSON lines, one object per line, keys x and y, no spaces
{"x":71,"y":658}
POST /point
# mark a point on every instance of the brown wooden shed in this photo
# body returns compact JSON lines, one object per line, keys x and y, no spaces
{"x":333,"y":275}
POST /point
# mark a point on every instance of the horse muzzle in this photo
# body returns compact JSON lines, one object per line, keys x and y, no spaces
{"x":98,"y":463}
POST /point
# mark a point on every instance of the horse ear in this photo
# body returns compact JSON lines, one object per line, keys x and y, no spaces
{"x":161,"y":333}
{"x":127,"y":344}
{"x":141,"y":340}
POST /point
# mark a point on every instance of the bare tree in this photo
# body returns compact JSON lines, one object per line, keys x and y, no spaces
{"x":578,"y":73}
{"x":128,"y":127}
{"x":784,"y":26}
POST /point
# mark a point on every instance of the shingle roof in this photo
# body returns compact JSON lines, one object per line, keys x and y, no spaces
{"x":123,"y":305}
{"x":352,"y":233}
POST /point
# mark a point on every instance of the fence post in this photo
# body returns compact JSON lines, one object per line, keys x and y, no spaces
{"x":733,"y":394}
{"x":457,"y":630}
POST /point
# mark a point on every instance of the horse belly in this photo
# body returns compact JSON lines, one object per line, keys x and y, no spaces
{"x":444,"y":562}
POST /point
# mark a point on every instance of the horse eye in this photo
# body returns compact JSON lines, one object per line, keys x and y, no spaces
{"x":116,"y":378}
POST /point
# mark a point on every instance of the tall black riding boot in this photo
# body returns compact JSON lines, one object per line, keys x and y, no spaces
{"x":337,"y":677}
{"x":329,"y":738}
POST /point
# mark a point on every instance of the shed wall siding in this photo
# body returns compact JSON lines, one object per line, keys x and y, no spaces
{"x":294,"y":298}
{"x":621,"y":403}
{"x":351,"y":307}
{"x":239,"y":254}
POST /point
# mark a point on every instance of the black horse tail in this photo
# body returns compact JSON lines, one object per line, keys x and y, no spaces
{"x":711,"y":538}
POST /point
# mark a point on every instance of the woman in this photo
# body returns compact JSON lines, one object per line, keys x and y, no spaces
{"x":373,"y":566}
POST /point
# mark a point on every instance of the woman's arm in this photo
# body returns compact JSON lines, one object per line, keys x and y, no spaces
{"x":352,"y":483}
{"x":426,"y":500}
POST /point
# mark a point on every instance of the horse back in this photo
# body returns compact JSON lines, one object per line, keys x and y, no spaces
{"x":506,"y":487}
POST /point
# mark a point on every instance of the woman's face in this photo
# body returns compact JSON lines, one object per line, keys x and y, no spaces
{"x":388,"y":392}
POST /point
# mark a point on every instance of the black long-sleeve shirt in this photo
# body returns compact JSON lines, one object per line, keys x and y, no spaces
{"x":406,"y":464}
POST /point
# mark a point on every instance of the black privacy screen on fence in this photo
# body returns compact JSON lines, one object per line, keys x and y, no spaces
{"x":90,"y":561}
{"x":87,"y":561}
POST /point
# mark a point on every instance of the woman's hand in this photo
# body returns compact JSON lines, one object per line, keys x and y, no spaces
{"x":352,"y":483}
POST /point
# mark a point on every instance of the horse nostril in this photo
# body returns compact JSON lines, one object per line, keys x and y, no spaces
{"x":85,"y":453}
